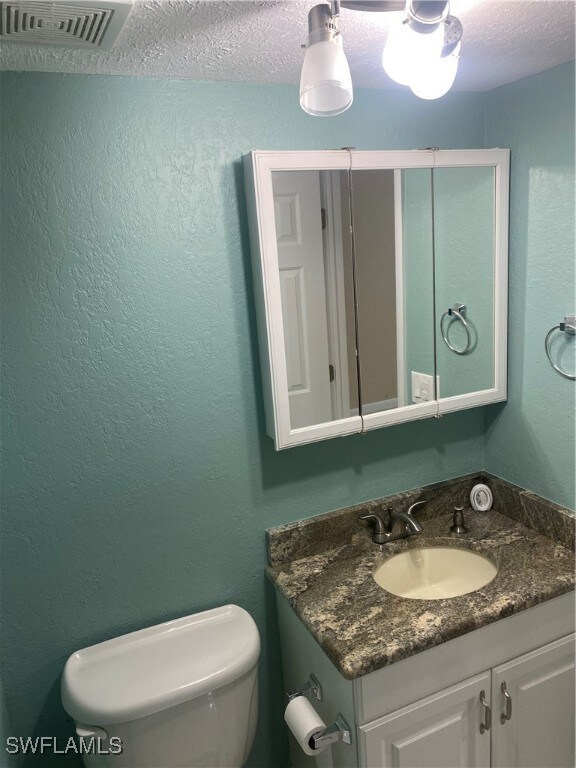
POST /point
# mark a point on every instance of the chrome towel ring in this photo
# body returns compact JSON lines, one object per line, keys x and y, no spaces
{"x":569,"y":328}
{"x":457,"y":312}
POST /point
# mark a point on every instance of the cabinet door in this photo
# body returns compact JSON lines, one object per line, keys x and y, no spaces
{"x":540,"y":731}
{"x":441,"y":731}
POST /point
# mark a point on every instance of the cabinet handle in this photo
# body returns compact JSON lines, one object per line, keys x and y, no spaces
{"x":508,"y":714}
{"x":485,"y":726}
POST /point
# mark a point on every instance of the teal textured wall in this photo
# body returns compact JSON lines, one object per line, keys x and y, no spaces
{"x":418,"y":255}
{"x":464,"y":267}
{"x":5,"y":731}
{"x":530,"y":439}
{"x":454,"y":208}
{"x":138,"y":480}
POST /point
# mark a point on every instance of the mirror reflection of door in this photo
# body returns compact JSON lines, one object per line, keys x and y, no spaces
{"x":374,"y":248}
{"x":312,"y":224}
{"x":392,"y":223}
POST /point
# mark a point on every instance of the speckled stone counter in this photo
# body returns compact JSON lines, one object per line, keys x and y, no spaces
{"x":324,"y":566}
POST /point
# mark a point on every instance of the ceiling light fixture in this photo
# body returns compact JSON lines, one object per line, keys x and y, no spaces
{"x":422,"y":52}
{"x":325,"y":83}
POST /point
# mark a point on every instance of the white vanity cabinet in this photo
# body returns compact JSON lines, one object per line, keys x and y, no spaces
{"x":441,"y":731}
{"x":431,"y":710}
{"x":530,"y":726}
{"x":540,"y":730}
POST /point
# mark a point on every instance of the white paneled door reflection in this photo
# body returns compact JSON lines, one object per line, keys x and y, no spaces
{"x":297,"y":209}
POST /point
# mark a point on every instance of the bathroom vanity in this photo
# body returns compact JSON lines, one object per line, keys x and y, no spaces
{"x":483,"y":679}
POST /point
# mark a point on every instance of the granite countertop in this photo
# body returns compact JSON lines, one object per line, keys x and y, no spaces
{"x":363,"y":628}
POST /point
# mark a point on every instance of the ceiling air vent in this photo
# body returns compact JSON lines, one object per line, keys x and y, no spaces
{"x":78,"y":24}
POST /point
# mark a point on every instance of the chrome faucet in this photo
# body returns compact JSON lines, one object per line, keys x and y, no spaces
{"x":379,"y":531}
{"x":400,"y":525}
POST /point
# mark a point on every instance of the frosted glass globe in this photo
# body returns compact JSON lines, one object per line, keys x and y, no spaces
{"x":407,"y":52}
{"x":325,"y":83}
{"x":437,"y":79}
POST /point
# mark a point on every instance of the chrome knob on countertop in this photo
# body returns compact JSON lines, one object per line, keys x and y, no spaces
{"x":458,"y":525}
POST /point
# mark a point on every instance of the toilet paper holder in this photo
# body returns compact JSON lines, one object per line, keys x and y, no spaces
{"x":338,"y":731}
{"x":311,"y":689}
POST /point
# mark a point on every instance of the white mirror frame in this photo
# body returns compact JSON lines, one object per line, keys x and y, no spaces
{"x":258,"y":169}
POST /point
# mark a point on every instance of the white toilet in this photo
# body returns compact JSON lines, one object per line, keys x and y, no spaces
{"x":183,"y":694}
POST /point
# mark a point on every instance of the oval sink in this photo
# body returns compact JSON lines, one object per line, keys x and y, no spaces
{"x":434,"y":573}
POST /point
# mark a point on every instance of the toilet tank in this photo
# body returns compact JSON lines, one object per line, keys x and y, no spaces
{"x":182,"y":694}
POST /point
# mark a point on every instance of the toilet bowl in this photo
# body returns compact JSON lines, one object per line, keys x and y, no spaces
{"x":182,"y":694}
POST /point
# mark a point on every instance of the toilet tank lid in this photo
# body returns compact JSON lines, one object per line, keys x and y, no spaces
{"x":150,"y":670}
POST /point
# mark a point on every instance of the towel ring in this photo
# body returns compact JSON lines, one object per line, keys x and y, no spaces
{"x":457,"y":312}
{"x":569,"y":328}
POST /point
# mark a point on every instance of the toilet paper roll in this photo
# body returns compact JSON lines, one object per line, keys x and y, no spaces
{"x":304,"y":722}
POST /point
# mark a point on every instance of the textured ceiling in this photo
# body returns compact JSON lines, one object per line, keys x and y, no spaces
{"x":256,"y":41}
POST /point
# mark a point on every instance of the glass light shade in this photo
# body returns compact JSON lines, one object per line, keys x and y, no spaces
{"x":437,"y":78}
{"x":407,"y":52}
{"x":325,"y":83}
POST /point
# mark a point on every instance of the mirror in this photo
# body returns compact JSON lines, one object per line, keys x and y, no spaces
{"x":349,"y":280}
{"x":424,"y":247}
{"x":383,"y":283}
{"x":464,"y":271}
{"x":312,"y":221}
{"x":392,"y":230}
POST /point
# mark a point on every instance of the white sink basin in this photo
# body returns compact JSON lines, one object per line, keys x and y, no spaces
{"x":434,"y":573}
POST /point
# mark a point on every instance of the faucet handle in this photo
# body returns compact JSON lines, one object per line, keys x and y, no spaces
{"x":413,"y":506}
{"x":379,"y":523}
{"x":379,"y":532}
{"x":389,"y":512}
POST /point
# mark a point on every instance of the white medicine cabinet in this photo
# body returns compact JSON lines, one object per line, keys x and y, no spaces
{"x":381,"y":281}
